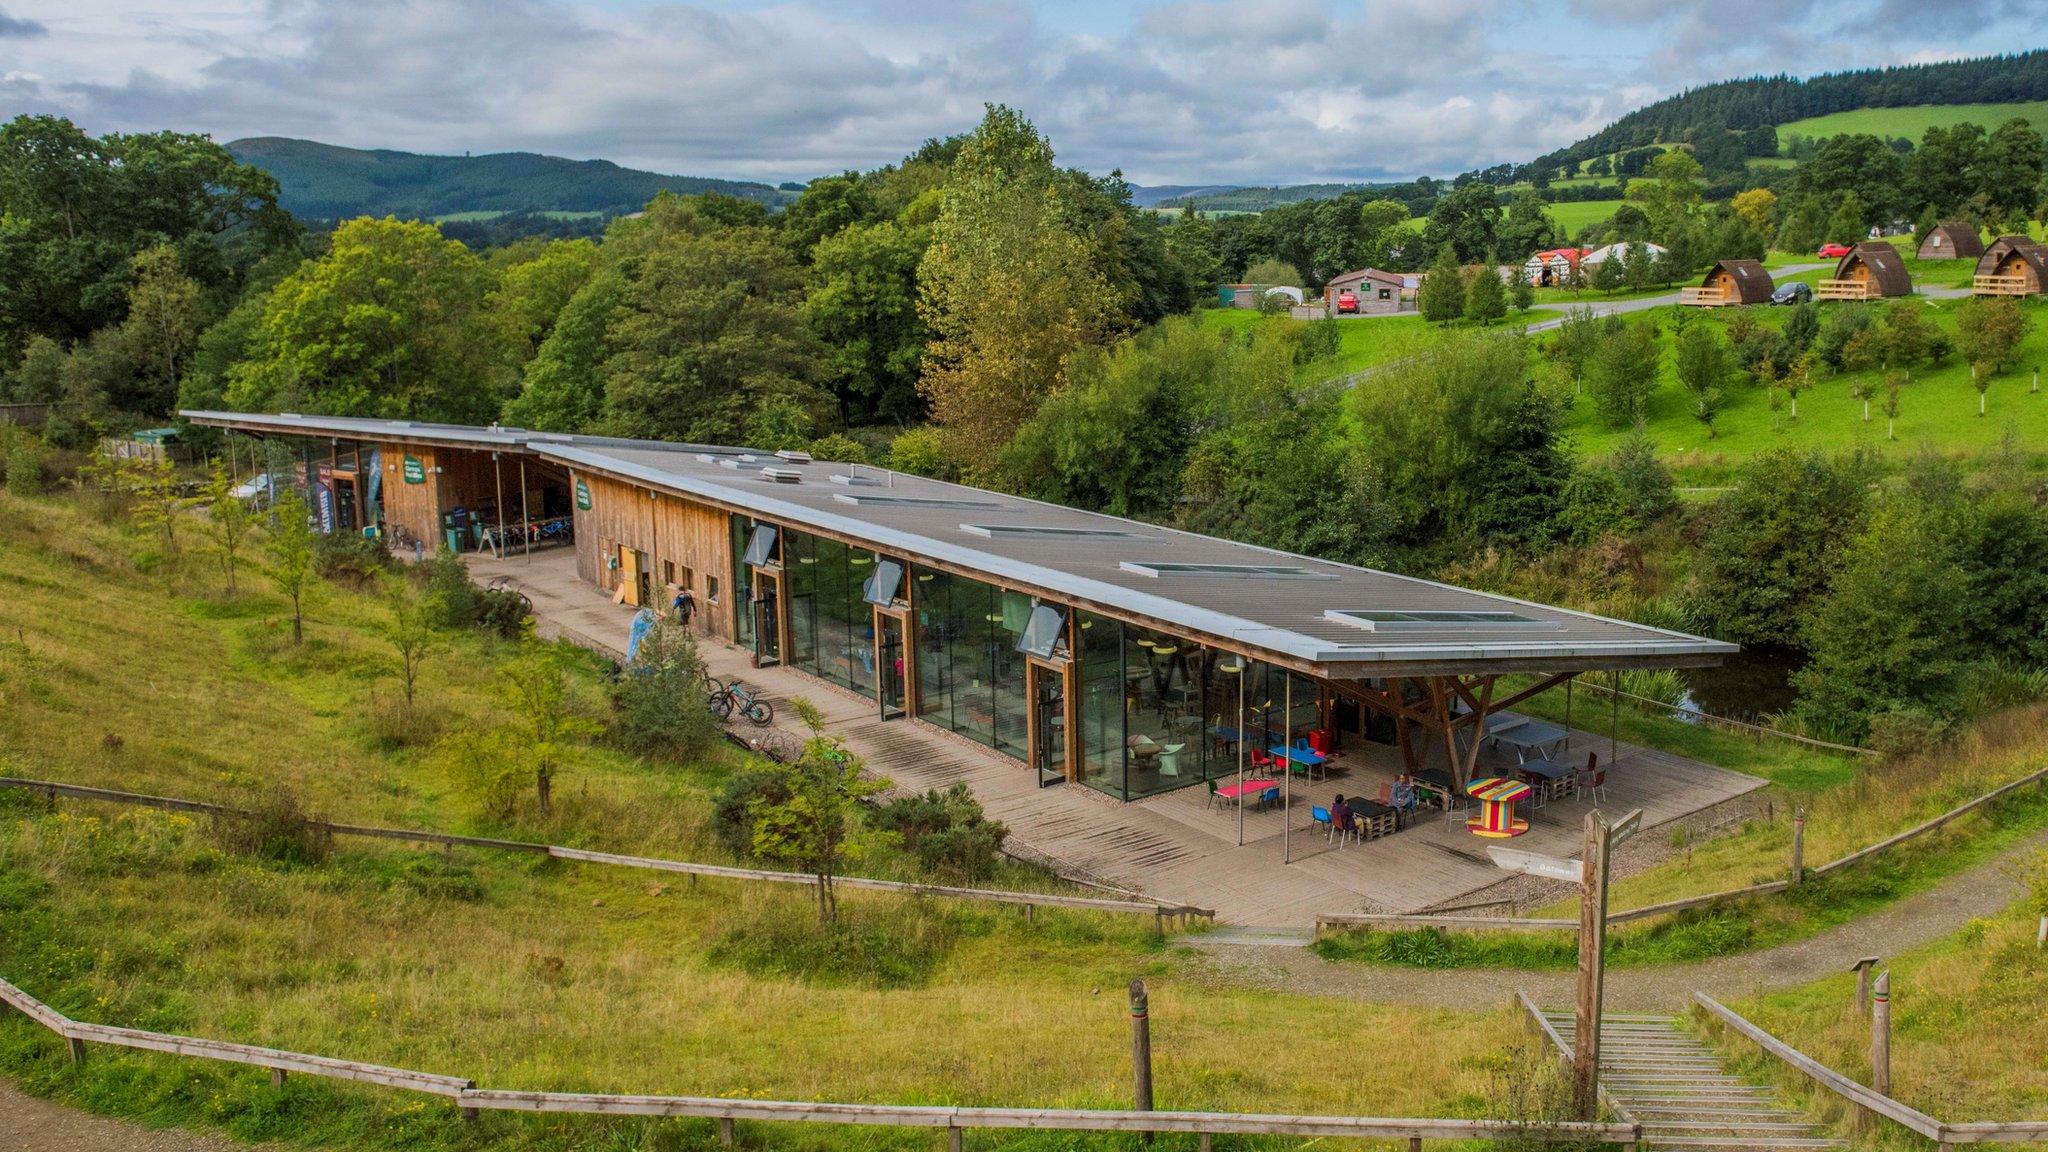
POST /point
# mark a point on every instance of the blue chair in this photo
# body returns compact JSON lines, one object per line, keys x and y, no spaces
{"x":1269,"y":796}
{"x":1321,"y":815}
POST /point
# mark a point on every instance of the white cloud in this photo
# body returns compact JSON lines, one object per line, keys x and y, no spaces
{"x":1186,"y":90}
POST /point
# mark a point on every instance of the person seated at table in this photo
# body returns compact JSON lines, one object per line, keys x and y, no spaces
{"x":1340,"y":814}
{"x":1402,"y":798}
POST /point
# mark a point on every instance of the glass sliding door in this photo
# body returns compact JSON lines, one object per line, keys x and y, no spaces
{"x":1047,"y":685}
{"x":890,"y":664}
{"x":1101,"y":679}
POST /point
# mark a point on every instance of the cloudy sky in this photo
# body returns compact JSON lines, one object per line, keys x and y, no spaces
{"x":1174,"y":91}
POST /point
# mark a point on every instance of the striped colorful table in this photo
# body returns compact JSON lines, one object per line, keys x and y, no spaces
{"x":1496,"y":819}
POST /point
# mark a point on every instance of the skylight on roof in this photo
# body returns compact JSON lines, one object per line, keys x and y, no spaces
{"x":993,"y":531}
{"x":865,"y":500}
{"x":1254,"y":571}
{"x":1489,"y":621}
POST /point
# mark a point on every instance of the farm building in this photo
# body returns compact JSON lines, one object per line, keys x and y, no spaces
{"x":1872,"y":270}
{"x":1376,"y":291}
{"x":2011,"y":266}
{"x":1553,"y":266}
{"x":1624,"y":249}
{"x":1953,"y":240}
{"x":1090,"y":650}
{"x":1730,"y":282}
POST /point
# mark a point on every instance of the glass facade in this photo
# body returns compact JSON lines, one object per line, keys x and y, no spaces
{"x":970,"y":674}
{"x":1156,"y":712}
{"x":742,"y":580}
{"x":831,"y":626}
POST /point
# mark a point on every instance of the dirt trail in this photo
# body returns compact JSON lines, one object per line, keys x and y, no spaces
{"x":1985,"y":890}
{"x":31,"y":1125}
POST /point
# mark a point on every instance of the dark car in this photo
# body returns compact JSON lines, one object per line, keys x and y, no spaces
{"x":1797,"y":292}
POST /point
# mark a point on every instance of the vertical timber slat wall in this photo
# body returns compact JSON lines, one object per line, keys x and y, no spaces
{"x":671,"y":530}
{"x":413,"y":507}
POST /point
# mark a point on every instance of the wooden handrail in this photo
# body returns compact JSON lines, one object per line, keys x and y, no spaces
{"x":716,"y":871}
{"x":1826,"y":1077}
{"x":1929,"y":826}
{"x":471,"y":1099}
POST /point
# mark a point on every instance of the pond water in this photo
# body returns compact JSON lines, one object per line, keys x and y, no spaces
{"x":1752,"y":683}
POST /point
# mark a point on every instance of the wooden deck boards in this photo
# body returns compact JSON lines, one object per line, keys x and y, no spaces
{"x":1172,"y":846}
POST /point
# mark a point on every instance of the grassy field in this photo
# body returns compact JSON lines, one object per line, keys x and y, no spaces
{"x":1361,"y":342}
{"x":1938,"y":409}
{"x":123,"y":667}
{"x":1911,"y":122}
{"x":1574,"y":215}
{"x":1967,"y":1036}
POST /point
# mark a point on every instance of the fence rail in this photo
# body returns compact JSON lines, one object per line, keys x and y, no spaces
{"x":1522,"y":923}
{"x":954,"y":1120}
{"x":1710,"y":718}
{"x":1155,"y":909}
{"x":1870,"y":1099}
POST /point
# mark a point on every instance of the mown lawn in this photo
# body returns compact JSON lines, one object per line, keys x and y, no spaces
{"x":121,"y":668}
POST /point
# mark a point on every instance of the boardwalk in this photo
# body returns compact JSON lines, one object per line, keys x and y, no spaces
{"x":1176,"y":846}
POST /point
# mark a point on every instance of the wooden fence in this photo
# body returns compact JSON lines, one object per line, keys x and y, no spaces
{"x":953,"y":1121}
{"x":1694,"y":714}
{"x":1871,"y":1100}
{"x":1442,"y":920}
{"x":1159,"y":911}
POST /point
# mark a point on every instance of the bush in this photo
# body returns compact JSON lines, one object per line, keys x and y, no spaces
{"x":350,"y":559}
{"x":1318,"y":341}
{"x":25,"y":475}
{"x":272,"y":825}
{"x":947,"y":831}
{"x":732,"y":820}
{"x":1906,"y":732}
{"x":920,"y":452}
{"x":502,"y":612}
{"x":451,"y":594}
{"x":658,"y":700}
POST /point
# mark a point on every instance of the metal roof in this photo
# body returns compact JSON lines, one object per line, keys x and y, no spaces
{"x":1257,"y":598}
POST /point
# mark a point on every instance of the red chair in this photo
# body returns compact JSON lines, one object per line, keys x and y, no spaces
{"x":1593,"y":779}
{"x":1262,"y":760}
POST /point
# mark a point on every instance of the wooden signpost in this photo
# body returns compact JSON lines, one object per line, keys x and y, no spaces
{"x":1591,"y":872}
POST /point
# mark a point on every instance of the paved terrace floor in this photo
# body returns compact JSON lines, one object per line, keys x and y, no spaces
{"x":1176,"y":846}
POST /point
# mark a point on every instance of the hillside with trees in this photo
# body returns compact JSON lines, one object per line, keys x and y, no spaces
{"x":326,"y":182}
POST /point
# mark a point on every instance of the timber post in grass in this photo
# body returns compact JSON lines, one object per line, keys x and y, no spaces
{"x":1862,"y":970}
{"x":1592,"y":962}
{"x":1881,"y":1034}
{"x":74,"y":1048}
{"x":1798,"y":845}
{"x":1141,"y":1052}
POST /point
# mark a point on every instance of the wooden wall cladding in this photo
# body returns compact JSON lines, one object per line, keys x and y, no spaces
{"x":680,"y":535}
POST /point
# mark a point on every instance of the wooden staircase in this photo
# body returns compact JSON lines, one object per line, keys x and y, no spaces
{"x":1676,"y":1085}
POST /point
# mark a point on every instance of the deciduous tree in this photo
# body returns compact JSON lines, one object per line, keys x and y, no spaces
{"x":290,"y":548}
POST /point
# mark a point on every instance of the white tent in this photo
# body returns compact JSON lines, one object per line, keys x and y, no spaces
{"x":1599,"y":256}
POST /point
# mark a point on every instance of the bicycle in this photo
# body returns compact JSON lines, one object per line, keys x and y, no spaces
{"x":737,"y":697}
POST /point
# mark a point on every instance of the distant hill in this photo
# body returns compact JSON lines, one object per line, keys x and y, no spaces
{"x":1233,"y":199}
{"x":1769,"y":101}
{"x":326,"y":182}
{"x":1152,"y":196}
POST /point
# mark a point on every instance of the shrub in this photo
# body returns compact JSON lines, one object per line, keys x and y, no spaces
{"x":1906,"y":732}
{"x":503,"y":613}
{"x":272,"y":825}
{"x":1318,"y":341}
{"x":451,"y":594}
{"x":350,"y":559}
{"x":25,"y":475}
{"x":920,"y":452}
{"x":732,"y":817}
{"x":658,"y":701}
{"x":946,"y":830}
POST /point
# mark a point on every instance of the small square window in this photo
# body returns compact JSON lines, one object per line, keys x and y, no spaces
{"x":689,"y":576}
{"x":668,"y":571}
{"x":711,"y":589}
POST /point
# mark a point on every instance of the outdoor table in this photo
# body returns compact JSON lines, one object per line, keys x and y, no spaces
{"x":1530,"y":736}
{"x":1548,"y":770}
{"x":1496,"y":819}
{"x":1248,"y":788}
{"x":1435,"y":780}
{"x":1308,"y":759}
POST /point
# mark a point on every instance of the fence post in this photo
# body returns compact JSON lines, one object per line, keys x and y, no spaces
{"x":1881,"y":1035}
{"x":75,"y":1048}
{"x":955,"y":1138}
{"x":1863,"y":967}
{"x":1798,"y":845}
{"x":725,"y":1137}
{"x":277,"y":1078}
{"x":1141,"y":1053}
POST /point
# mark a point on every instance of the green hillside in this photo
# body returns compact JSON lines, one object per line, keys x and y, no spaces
{"x":1911,"y":122}
{"x":326,"y":182}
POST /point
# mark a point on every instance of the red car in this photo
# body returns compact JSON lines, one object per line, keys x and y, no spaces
{"x":1834,"y":251}
{"x":1347,"y":301}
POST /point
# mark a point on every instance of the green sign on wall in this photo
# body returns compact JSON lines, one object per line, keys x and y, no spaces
{"x":415,"y":472}
{"x":582,"y":495}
